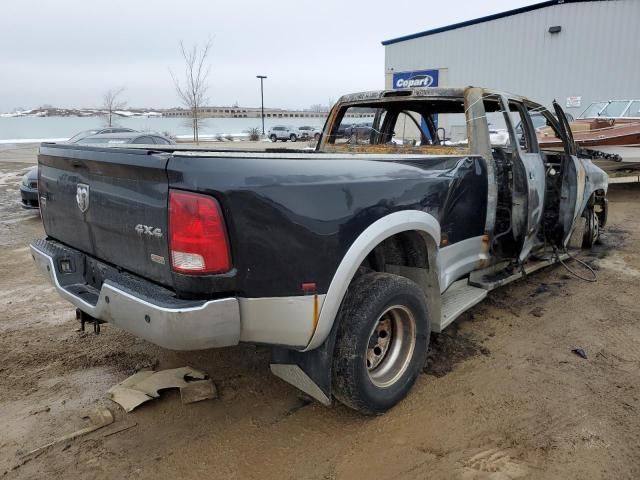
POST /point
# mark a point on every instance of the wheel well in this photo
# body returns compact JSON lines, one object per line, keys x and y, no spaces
{"x":599,"y":203}
{"x":424,"y":224}
{"x":411,"y":254}
{"x":407,"y":249}
{"x":597,"y":197}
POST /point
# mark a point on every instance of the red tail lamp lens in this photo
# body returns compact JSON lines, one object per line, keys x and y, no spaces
{"x":197,"y":234}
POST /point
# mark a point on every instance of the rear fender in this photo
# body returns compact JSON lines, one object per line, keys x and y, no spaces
{"x":407,"y":220}
{"x":310,"y":369}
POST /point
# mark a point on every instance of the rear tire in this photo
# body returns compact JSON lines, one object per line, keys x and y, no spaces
{"x":273,"y":138}
{"x":293,"y":137}
{"x":381,"y":343}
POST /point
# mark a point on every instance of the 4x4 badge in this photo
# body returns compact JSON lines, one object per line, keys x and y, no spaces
{"x":82,"y":197}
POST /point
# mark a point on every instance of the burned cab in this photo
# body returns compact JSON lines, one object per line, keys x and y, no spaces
{"x":532,"y":197}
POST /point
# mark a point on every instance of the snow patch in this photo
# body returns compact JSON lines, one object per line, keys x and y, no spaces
{"x":31,"y":140}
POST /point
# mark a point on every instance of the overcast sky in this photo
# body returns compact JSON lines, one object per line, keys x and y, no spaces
{"x":68,"y":52}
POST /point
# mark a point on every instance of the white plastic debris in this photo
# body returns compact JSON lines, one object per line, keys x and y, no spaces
{"x":146,"y":385}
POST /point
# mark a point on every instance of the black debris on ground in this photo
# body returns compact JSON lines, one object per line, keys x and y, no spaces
{"x":449,"y":348}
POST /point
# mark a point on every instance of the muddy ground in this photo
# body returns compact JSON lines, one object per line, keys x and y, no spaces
{"x":502,"y":396}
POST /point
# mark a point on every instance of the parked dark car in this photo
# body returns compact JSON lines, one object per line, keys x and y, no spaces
{"x":342,"y":129}
{"x":358,"y":131}
{"x":98,"y":131}
{"x":29,"y":189}
{"x":135,"y":138}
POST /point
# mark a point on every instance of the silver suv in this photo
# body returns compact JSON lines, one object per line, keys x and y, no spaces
{"x":283,"y":132}
{"x":309,"y":132}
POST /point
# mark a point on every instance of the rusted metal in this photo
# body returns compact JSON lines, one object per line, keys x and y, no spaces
{"x":471,"y":97}
{"x":485,"y":247}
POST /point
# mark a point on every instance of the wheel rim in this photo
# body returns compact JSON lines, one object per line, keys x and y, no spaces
{"x":595,"y":227}
{"x":391,"y":345}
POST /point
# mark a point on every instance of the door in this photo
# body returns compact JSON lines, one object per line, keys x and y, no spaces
{"x":573,"y":181}
{"x":528,"y":180}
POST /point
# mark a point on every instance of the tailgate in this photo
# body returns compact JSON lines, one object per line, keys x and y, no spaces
{"x":110,"y":203}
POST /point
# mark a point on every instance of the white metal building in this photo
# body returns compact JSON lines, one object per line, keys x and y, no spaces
{"x":576,"y":51}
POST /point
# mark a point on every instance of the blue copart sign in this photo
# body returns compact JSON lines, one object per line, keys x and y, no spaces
{"x":417,"y":79}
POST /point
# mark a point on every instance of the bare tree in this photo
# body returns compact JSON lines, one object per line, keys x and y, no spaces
{"x":193,"y":91}
{"x":111,"y":102}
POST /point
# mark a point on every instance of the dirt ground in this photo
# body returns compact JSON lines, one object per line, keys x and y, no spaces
{"x":502,"y":397}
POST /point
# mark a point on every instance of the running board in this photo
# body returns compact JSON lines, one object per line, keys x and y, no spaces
{"x":497,"y":275}
{"x":465,"y":293}
{"x":458,"y":298}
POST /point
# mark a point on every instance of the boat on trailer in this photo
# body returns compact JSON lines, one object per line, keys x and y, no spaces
{"x":610,"y":127}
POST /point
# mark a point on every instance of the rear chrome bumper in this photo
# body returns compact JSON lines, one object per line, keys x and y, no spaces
{"x":168,"y":322}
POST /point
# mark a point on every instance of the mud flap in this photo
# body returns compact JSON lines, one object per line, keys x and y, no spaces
{"x":308,"y":371}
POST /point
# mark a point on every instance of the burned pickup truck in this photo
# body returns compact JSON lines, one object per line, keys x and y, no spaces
{"x":344,"y":259}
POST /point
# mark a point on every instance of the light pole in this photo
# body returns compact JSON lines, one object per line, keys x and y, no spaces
{"x":262,"y":77}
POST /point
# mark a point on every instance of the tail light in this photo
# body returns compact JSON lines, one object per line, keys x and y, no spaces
{"x":197,"y":235}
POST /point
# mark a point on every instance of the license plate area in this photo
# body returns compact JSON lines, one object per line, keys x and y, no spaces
{"x":94,"y":273}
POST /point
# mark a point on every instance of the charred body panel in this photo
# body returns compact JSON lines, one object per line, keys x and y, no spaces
{"x":291,"y":221}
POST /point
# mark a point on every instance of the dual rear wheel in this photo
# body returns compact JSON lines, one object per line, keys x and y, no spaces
{"x":381,"y":343}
